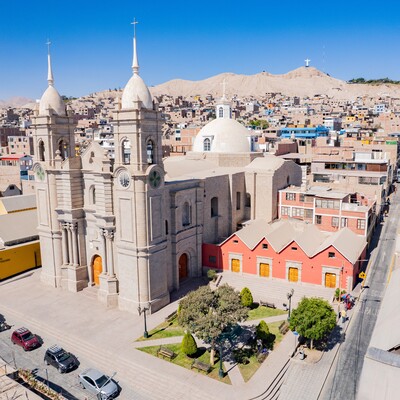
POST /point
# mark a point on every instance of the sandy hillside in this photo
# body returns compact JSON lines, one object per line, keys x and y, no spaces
{"x":301,"y":82}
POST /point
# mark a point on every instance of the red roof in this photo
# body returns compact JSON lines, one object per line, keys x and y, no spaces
{"x":13,"y":156}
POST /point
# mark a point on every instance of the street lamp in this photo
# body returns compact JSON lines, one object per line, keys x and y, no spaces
{"x":221,"y":371}
{"x":142,"y":310}
{"x":289,"y":296}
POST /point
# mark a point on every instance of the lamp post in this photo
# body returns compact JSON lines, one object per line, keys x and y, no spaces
{"x":142,"y":310}
{"x":220,"y":371}
{"x":289,"y":297}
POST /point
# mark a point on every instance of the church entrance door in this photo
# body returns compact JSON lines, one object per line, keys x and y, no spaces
{"x":97,"y":270}
{"x":183,"y":266}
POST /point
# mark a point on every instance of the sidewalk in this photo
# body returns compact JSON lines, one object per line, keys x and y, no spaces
{"x":106,"y":339}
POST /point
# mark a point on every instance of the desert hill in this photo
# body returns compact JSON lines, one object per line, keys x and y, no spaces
{"x":302,"y":82}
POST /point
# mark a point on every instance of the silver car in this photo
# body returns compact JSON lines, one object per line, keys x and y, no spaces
{"x":99,"y":384}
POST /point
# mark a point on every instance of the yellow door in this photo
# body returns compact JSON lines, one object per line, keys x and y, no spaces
{"x":330,"y":280}
{"x":264,"y":270}
{"x":293,"y":274}
{"x":97,"y":270}
{"x":235,"y":265}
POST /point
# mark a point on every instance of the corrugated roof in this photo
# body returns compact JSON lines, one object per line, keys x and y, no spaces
{"x":311,"y":240}
{"x":22,"y":202}
{"x":18,"y":226}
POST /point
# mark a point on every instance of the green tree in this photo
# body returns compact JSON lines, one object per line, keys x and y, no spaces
{"x":263,"y":333}
{"x":313,"y":318}
{"x":209,"y":313}
{"x":259,"y":122}
{"x":189,"y":346}
{"x":246,"y":297}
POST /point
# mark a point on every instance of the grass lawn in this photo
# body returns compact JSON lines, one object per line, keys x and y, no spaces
{"x":264,"y":312}
{"x":164,"y":330}
{"x":184,"y":361}
{"x":248,"y":370}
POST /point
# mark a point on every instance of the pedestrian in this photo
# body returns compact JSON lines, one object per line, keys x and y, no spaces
{"x":344,"y":315}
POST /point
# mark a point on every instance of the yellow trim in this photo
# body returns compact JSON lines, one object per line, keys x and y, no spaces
{"x":391,"y":269}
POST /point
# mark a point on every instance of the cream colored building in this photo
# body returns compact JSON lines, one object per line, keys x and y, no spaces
{"x":132,"y":228}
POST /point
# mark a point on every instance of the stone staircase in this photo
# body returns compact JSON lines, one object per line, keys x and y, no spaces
{"x":275,"y":290}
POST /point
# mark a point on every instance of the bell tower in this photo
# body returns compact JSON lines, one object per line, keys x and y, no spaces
{"x":58,"y":189}
{"x":139,"y":196}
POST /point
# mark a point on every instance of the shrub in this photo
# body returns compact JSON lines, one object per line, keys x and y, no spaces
{"x":338,"y":293}
{"x":263,"y":334}
{"x":189,"y":346}
{"x":246,"y":297}
{"x":211,"y":274}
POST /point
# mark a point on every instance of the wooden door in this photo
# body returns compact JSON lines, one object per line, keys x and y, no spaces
{"x":264,"y":270}
{"x":97,"y":270}
{"x":235,"y":265}
{"x":183,"y":266}
{"x":330,"y":280}
{"x":293,"y":274}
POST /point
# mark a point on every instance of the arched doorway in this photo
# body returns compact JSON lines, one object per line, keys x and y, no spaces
{"x":97,"y":269}
{"x":183,"y":266}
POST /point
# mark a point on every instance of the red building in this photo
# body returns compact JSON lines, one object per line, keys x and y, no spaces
{"x":330,"y":210}
{"x":291,"y":250}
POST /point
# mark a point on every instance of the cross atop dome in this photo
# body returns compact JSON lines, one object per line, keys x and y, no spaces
{"x":50,"y":78}
{"x":135,"y":63}
{"x":307,"y":61}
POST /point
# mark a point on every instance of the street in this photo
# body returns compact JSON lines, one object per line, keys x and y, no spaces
{"x":345,"y":373}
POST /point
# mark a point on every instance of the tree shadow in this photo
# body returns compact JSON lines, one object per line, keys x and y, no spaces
{"x":330,"y":341}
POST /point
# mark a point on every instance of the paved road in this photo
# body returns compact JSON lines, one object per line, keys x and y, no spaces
{"x":345,"y":374}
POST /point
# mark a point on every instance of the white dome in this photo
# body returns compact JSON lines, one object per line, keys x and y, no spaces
{"x":226,"y":136}
{"x":51,"y":99}
{"x":134,"y":90}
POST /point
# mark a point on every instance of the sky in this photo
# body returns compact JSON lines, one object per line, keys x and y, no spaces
{"x":92,"y":41}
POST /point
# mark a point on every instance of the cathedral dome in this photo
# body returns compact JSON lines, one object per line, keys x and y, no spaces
{"x":51,"y":99}
{"x":225,"y":136}
{"x":135,"y":90}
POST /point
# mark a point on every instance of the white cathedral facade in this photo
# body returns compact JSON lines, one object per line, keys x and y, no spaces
{"x":132,"y":228}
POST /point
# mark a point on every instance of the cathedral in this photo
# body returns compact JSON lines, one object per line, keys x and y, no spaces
{"x":132,"y":228}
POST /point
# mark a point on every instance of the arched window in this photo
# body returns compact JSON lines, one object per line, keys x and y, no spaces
{"x":220,"y":112}
{"x":214,"y":207}
{"x":186,"y":220}
{"x":63,"y":147}
{"x":126,"y":151}
{"x":207,"y":144}
{"x":248,"y":200}
{"x":41,"y":151}
{"x":92,"y":195}
{"x":150,"y":152}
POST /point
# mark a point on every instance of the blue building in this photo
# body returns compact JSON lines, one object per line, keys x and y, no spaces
{"x":304,"y":133}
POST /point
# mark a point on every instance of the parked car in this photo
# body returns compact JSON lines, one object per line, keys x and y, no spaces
{"x":98,"y":384}
{"x":25,"y":338}
{"x":59,"y":358}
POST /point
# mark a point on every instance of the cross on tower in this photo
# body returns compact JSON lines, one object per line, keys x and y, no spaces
{"x":134,"y":23}
{"x":48,"y":45}
{"x":307,"y":62}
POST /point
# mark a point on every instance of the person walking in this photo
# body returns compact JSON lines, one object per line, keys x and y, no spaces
{"x":343,"y":315}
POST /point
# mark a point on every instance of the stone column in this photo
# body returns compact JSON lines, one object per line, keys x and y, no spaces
{"x":75,"y":255}
{"x":70,"y":255}
{"x":109,"y":235}
{"x":103,"y":233}
{"x":64,"y":234}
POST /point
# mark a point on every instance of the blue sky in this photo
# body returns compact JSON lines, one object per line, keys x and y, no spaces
{"x":92,"y":41}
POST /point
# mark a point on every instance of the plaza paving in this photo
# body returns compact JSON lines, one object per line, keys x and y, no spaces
{"x":105,"y":339}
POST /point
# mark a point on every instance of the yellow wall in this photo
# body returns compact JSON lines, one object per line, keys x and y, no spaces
{"x":19,"y":258}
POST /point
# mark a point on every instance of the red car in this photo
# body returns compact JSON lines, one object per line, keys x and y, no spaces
{"x":25,"y":338}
